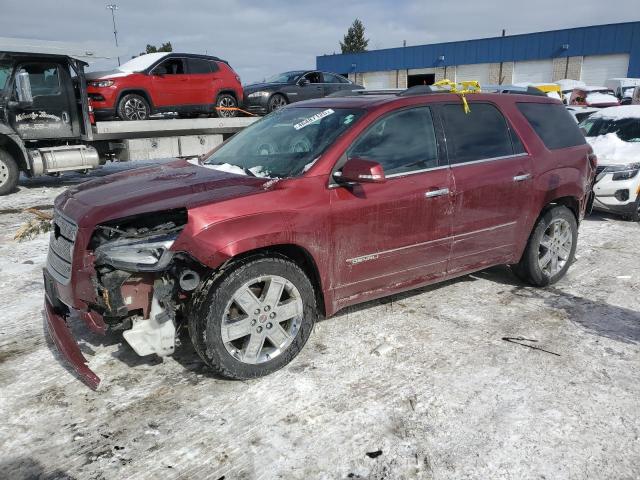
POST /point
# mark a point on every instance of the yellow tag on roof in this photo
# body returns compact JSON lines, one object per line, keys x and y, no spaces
{"x":467,"y":86}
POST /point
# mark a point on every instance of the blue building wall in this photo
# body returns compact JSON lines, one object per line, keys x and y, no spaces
{"x":582,"y":41}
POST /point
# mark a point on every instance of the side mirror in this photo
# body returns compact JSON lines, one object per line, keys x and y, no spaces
{"x":359,"y":170}
{"x":23,"y":89}
{"x":304,"y":82}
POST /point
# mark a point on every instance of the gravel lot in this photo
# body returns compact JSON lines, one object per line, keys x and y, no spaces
{"x":420,"y":385}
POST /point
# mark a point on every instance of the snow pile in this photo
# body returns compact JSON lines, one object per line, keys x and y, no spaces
{"x":598,"y":98}
{"x":611,"y":150}
{"x":258,"y":171}
{"x":619,"y":113}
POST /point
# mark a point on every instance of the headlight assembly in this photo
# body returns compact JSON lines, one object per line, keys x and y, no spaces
{"x":146,"y":254}
{"x":259,"y":94}
{"x":101,"y":83}
{"x":623,"y":172}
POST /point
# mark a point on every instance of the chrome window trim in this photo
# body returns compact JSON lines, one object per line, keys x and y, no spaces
{"x":491,"y":159}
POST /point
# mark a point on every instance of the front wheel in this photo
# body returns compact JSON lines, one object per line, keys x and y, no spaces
{"x":276,"y":102}
{"x":551,"y":248}
{"x":9,"y":173}
{"x":254,"y":318}
{"x":133,"y":107}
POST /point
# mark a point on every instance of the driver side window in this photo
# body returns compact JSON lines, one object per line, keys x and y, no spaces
{"x":173,"y":66}
{"x":402,"y":142}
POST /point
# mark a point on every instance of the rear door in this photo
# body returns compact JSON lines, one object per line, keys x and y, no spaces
{"x":170,"y":84}
{"x":201,"y":81}
{"x":53,"y":113}
{"x":492,"y":176}
{"x":395,"y":233}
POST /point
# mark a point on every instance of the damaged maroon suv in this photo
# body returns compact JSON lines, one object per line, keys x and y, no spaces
{"x":320,"y":205}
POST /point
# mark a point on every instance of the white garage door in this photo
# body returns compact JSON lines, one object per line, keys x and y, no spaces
{"x":597,"y":69}
{"x":376,"y":80}
{"x":534,"y":71}
{"x":476,"y":71}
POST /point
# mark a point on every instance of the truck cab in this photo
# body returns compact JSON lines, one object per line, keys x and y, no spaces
{"x":44,"y":116}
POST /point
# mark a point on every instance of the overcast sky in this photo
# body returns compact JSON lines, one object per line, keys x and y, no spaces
{"x":260,"y":38}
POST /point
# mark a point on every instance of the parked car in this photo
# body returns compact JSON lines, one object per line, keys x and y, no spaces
{"x":623,"y":88}
{"x":635,"y":98}
{"x":580,"y":113}
{"x":566,"y":88}
{"x":593,"y":97}
{"x":321,"y":205}
{"x":614,"y":134}
{"x":166,"y":82}
{"x":289,"y":87}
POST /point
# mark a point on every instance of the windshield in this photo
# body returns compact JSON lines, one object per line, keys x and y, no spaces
{"x":286,"y":77}
{"x":5,"y":71}
{"x":627,"y":129}
{"x":284,"y":143}
{"x":142,"y":62}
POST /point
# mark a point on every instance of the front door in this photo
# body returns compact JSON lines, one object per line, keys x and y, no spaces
{"x":54,"y":111}
{"x":393,"y":234}
{"x":170,"y":84}
{"x":313,"y":89}
{"x":492,"y":185}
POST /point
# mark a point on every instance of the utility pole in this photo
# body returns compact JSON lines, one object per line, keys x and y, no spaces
{"x":113,"y":7}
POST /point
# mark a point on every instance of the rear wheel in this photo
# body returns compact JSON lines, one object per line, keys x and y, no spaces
{"x":226,"y":106}
{"x":634,"y":216}
{"x":276,"y":102}
{"x":551,"y":248}
{"x":133,"y":107}
{"x":254,"y":318}
{"x":9,"y":173}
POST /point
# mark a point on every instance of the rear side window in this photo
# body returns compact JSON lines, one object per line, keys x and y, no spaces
{"x":478,"y":135}
{"x":553,"y":124}
{"x":214,"y":65}
{"x":197,"y":65}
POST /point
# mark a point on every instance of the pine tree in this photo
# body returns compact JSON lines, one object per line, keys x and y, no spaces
{"x":354,"y":40}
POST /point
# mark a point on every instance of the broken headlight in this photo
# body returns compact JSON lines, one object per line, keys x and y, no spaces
{"x":145,"y":254}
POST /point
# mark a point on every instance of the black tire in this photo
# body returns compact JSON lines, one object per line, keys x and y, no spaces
{"x":133,"y":107}
{"x":226,"y":100}
{"x":9,"y":173}
{"x":529,"y":269}
{"x":635,"y":215}
{"x":208,"y":307}
{"x":276,"y":101}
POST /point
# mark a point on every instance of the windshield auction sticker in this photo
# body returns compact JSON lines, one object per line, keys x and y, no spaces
{"x":314,"y":118}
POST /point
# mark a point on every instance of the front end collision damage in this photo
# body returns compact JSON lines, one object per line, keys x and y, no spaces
{"x":140,"y":287}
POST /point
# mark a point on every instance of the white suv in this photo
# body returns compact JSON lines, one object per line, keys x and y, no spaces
{"x":614,"y":134}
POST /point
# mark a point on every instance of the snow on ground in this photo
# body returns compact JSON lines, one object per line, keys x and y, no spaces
{"x":419,"y":385}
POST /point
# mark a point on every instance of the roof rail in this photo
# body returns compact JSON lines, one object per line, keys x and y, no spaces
{"x":361,"y":92}
{"x":423,"y":90}
{"x":529,"y":90}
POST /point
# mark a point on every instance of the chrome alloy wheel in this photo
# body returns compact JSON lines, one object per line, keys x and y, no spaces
{"x":4,"y":173}
{"x":227,"y":102}
{"x":555,"y":247}
{"x":278,"y":102}
{"x":135,"y":109}
{"x":262,"y":318}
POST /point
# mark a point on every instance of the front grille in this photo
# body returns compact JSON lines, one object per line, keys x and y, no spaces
{"x":59,"y":259}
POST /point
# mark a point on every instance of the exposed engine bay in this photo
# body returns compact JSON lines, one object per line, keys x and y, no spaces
{"x":141,"y":285}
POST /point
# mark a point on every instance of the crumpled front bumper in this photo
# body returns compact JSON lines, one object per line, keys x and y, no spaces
{"x":68,"y":347}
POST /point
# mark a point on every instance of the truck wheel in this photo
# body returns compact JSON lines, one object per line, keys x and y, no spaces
{"x":226,"y":101}
{"x":133,"y":107}
{"x":9,"y":173}
{"x":253,"y":318}
{"x":551,"y":248}
{"x":275,"y":102}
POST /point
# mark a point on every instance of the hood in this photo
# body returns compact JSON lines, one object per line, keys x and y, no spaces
{"x":611,"y":150}
{"x":256,"y":87}
{"x":106,"y":75}
{"x":177,"y":184}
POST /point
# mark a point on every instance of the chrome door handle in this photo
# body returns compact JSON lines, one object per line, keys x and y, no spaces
{"x":436,"y":193}
{"x":522,"y":178}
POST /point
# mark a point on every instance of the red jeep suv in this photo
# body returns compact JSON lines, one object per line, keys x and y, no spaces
{"x":321,"y":205}
{"x":166,"y":82}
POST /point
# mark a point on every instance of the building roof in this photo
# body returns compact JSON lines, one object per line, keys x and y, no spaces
{"x":580,"y":41}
